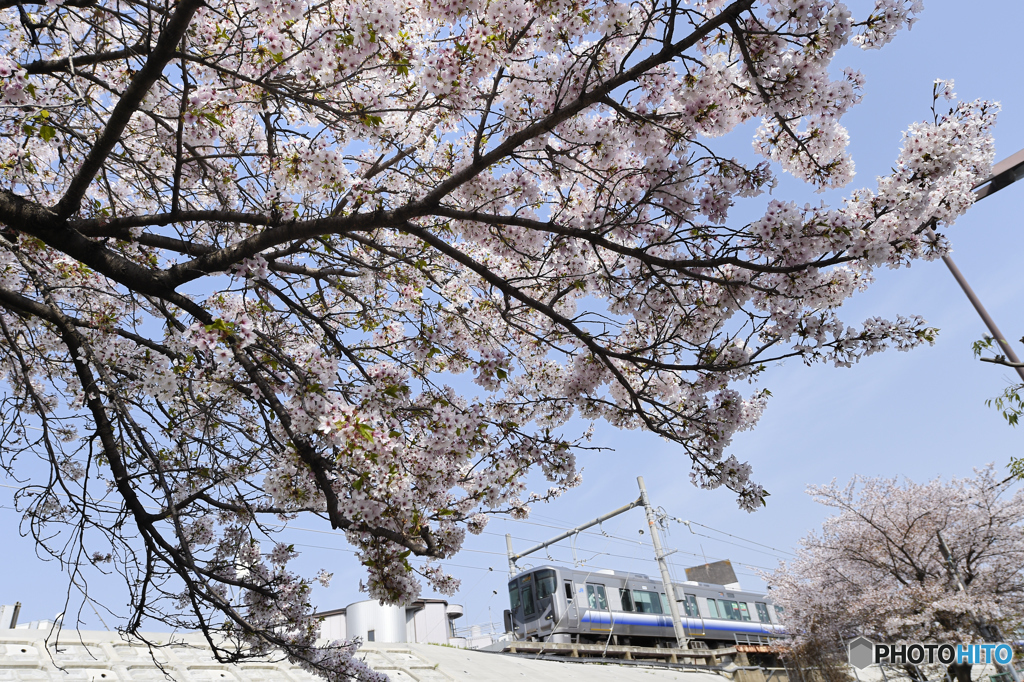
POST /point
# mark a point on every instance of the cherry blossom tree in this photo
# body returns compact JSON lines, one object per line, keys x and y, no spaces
{"x":249,"y":247}
{"x":875,"y":569}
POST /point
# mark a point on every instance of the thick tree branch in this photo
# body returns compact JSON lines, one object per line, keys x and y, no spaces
{"x":126,"y":105}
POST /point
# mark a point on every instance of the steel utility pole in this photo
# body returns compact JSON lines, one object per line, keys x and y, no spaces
{"x":1004,"y":174}
{"x":666,"y":579}
{"x":990,"y":631}
{"x":511,"y":557}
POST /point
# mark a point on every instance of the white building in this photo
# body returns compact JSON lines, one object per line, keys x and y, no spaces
{"x":9,"y":619}
{"x":424,"y":621}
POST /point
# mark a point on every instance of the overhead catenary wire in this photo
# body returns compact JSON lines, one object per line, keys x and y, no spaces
{"x":687,"y":523}
{"x":715,"y":530}
{"x":633,"y":542}
{"x":594,"y":553}
{"x":749,"y":549}
{"x":488,"y":568}
{"x":604,"y":534}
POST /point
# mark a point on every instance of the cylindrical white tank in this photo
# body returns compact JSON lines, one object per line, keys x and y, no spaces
{"x":375,"y":623}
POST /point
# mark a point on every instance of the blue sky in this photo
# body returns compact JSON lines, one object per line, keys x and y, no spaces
{"x":920,"y":414}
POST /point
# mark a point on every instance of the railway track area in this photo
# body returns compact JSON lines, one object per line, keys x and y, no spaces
{"x":700,"y":658}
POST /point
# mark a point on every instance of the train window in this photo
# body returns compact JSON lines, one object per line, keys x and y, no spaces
{"x":569,"y":595}
{"x":547,"y":583}
{"x":665,"y":608}
{"x":627,"y":601}
{"x":762,"y":612}
{"x":596,"y":597}
{"x":646,"y":602}
{"x":691,"y":606}
{"x":513,"y":595}
{"x":712,"y":608}
{"x":779,"y":611}
{"x":732,"y":610}
{"x":527,"y":592}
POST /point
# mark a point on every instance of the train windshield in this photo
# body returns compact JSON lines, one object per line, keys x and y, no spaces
{"x":527,"y":593}
{"x":546,"y":584}
{"x":513,"y":595}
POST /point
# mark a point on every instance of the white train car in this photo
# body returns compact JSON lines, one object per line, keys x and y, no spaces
{"x":559,"y":604}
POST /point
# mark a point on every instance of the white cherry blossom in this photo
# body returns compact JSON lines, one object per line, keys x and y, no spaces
{"x":366,"y":261}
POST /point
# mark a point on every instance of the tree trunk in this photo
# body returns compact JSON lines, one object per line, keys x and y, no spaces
{"x":914,"y":672}
{"x":961,"y":672}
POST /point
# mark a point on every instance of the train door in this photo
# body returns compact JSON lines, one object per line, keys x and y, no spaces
{"x":572,"y":613}
{"x":597,"y":602}
{"x":693,"y":616}
{"x":764,"y":618}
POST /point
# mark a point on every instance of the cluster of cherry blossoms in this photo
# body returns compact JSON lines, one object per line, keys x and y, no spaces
{"x":368,"y":260}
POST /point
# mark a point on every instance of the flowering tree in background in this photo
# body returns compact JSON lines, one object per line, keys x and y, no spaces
{"x":245,"y":245}
{"x":876,"y":569}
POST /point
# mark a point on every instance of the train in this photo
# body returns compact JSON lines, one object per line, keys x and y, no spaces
{"x":575,"y":605}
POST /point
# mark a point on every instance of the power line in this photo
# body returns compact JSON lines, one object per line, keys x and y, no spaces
{"x":687,"y":523}
{"x":594,"y":534}
{"x":749,"y":549}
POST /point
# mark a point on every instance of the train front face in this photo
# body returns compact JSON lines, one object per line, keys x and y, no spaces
{"x":534,"y":603}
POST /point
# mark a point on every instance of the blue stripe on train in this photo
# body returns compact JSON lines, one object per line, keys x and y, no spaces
{"x":655,"y":620}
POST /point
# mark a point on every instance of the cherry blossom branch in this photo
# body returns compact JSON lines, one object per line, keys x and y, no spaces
{"x":161,"y":54}
{"x":679,"y":265}
{"x":46,"y":66}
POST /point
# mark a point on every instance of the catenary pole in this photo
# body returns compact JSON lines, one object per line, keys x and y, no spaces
{"x":666,"y":579}
{"x":511,"y":558}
